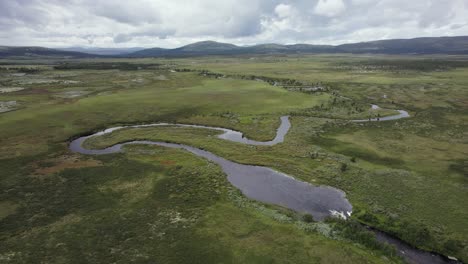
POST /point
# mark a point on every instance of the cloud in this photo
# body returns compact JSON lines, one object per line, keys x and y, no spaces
{"x":152,"y":32}
{"x":122,"y":38}
{"x":283,"y":10}
{"x":329,"y":8}
{"x":150,"y":23}
{"x":128,"y":13}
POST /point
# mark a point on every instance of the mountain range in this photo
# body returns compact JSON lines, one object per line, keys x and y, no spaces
{"x":103,"y":51}
{"x":431,"y":45}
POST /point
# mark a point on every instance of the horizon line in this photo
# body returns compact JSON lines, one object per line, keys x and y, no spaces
{"x":220,"y":42}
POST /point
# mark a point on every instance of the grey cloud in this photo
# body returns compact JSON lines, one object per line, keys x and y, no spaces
{"x":457,"y":26}
{"x":22,"y":12}
{"x":121,"y":38}
{"x":433,"y":15}
{"x":126,"y":12}
{"x":156,"y":33}
{"x":169,"y":23}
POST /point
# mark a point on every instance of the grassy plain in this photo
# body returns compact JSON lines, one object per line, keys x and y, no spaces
{"x":409,"y":177}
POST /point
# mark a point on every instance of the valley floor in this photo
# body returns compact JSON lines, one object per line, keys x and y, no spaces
{"x":407,"y":177}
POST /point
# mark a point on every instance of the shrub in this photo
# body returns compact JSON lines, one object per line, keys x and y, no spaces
{"x":308,"y":218}
{"x":453,"y":246}
{"x":368,"y":218}
{"x":343,"y":167}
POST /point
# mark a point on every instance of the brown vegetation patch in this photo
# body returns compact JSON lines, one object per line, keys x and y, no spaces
{"x":63,"y":162}
{"x":131,"y":191}
{"x":167,"y":162}
{"x":34,"y":91}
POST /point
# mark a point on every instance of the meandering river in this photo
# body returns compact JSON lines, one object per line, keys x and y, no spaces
{"x":256,"y":182}
{"x":270,"y":186}
{"x":401,"y":114}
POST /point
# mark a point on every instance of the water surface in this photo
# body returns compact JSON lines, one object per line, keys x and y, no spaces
{"x":401,"y":114}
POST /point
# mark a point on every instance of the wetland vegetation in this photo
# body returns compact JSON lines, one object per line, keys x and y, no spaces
{"x":407,"y":177}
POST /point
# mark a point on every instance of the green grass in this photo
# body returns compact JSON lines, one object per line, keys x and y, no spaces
{"x":153,"y":102}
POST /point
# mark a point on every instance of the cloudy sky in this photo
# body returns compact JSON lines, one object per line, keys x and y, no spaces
{"x":172,"y":23}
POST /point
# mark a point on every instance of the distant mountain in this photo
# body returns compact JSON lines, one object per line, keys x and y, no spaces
{"x":198,"y":48}
{"x":437,"y":45}
{"x":40,"y":52}
{"x":296,"y":48}
{"x":152,"y":52}
{"x":443,"y":45}
{"x":103,"y":51}
{"x":312,"y":48}
{"x":266,"y":49}
{"x":207,"y":46}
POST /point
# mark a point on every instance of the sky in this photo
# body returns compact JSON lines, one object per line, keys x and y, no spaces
{"x":173,"y":23}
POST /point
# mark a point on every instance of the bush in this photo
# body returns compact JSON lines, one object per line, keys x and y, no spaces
{"x":416,"y":234}
{"x":343,"y":167}
{"x":453,"y":246}
{"x":308,"y":218}
{"x":368,"y":218}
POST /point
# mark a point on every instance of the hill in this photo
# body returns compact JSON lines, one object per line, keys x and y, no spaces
{"x":103,"y":51}
{"x":198,"y":48}
{"x":437,"y":45}
{"x":443,"y":45}
{"x":6,"y":51}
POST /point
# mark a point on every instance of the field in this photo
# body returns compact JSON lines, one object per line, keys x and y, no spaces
{"x":407,"y":177}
